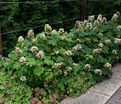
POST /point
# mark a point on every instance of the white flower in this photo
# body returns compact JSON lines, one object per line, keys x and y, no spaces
{"x":117,"y":41}
{"x":100,"y":45}
{"x":61,"y":31}
{"x":96,"y":22}
{"x":77,"y":24}
{"x":89,"y":26}
{"x":57,"y":65}
{"x":85,"y":22}
{"x":108,"y":41}
{"x":100,"y":34}
{"x":87,"y":67}
{"x":104,"y":20}
{"x":98,"y":71}
{"x":22,"y":60}
{"x":75,"y":64}
{"x":97,"y":51}
{"x":77,"y":47}
{"x":91,"y":18}
{"x":56,"y":52}
{"x":114,"y":52}
{"x":30,"y":34}
{"x":43,"y":36}
{"x":69,"y":68}
{"x":20,"y":39}
{"x":48,"y":28}
{"x":78,"y":40}
{"x":40,"y":54}
{"x":80,"y":29}
{"x":18,"y":51}
{"x":68,"y":53}
{"x":114,"y":18}
{"x":99,"y":18}
{"x":34,"y":49}
{"x":108,"y":65}
{"x":119,"y":28}
{"x":118,"y":13}
{"x":34,"y":40}
{"x":23,"y":78}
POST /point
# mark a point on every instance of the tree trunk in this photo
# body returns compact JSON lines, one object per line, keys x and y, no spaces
{"x":83,"y":9}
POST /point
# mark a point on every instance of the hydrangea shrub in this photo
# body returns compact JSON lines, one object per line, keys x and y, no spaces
{"x":58,"y":64}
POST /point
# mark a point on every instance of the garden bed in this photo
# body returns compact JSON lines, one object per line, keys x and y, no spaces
{"x":47,"y":67}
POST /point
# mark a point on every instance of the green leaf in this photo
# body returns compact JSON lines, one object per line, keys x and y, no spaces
{"x":31,"y":62}
{"x":38,"y":71}
{"x":17,"y":65}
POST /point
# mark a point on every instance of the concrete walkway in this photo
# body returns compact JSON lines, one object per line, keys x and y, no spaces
{"x":101,"y":92}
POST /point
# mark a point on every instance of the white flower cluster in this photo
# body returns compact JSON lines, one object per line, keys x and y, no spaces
{"x":114,"y":52}
{"x":87,"y":67}
{"x":108,"y":41}
{"x":96,"y":23}
{"x":80,"y":29}
{"x":77,"y":47}
{"x":108,"y":65}
{"x":85,"y":22}
{"x":43,"y":36}
{"x":99,"y":18}
{"x":89,"y":26}
{"x":40,"y":54}
{"x":56,"y":52}
{"x":34,"y":40}
{"x":48,"y":28}
{"x":30,"y":34}
{"x":23,"y":78}
{"x":78,"y":40}
{"x":114,"y":18}
{"x":104,"y":20}
{"x":61,"y":31}
{"x":78,"y":24}
{"x":100,"y":45}
{"x":91,"y":18}
{"x":100,"y":34}
{"x":118,"y":13}
{"x":34,"y":49}
{"x":98,"y":71}
{"x":97,"y":51}
{"x":69,"y":68}
{"x":20,"y":39}
{"x":22,"y":60}
{"x":57,"y":65}
{"x":68,"y":53}
{"x":18,"y":51}
{"x":75,"y":64}
{"x":117,"y":41}
{"x":119,"y":28}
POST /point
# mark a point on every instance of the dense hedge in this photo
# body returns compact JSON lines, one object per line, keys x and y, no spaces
{"x":59,"y":64}
{"x":21,"y":16}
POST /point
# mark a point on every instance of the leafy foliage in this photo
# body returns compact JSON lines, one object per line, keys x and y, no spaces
{"x":60,"y":64}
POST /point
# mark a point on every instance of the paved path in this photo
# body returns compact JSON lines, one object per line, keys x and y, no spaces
{"x":101,"y":92}
{"x":116,"y":98}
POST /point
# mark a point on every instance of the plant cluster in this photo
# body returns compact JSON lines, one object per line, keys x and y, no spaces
{"x":57,"y":64}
